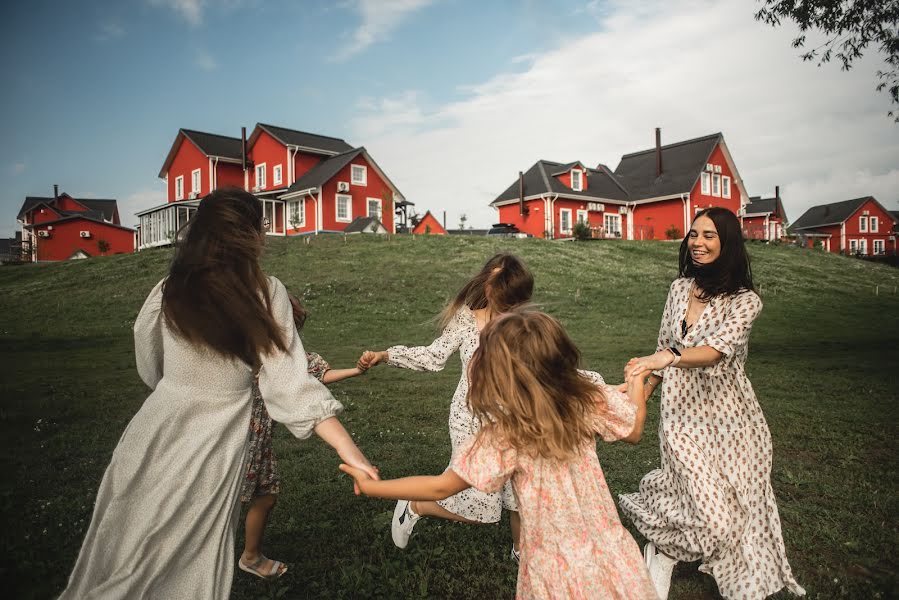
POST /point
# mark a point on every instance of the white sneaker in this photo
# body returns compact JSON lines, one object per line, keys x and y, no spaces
{"x":515,"y":555}
{"x":403,"y":522}
{"x":661,"y":567}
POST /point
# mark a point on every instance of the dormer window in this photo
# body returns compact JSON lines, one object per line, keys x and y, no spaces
{"x":359,"y":175}
{"x":577,"y":182}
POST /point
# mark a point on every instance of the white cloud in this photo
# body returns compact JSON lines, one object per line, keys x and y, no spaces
{"x":139,"y":200}
{"x":205,"y":61}
{"x":109,"y":30}
{"x":379,"y":19}
{"x":17,"y":168}
{"x":189,"y":10}
{"x":689,"y":67}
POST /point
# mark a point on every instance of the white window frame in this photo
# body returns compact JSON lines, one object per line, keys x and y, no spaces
{"x":349,"y":208}
{"x":196,"y":180}
{"x":609,"y":218}
{"x":179,"y":187}
{"x":583,"y":216}
{"x":879,"y":247}
{"x":716,"y":185}
{"x":725,"y":186}
{"x":363,"y":180}
{"x":853,"y":246}
{"x":277,"y":178}
{"x":580,"y":180}
{"x":706,"y":183}
{"x":562,"y":213}
{"x":368,"y":202}
{"x":300,"y":205}
{"x":863,"y":247}
{"x":873,"y":224}
{"x":261,"y":182}
{"x":863,"y":224}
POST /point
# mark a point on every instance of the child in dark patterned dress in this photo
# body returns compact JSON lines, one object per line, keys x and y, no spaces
{"x":262,"y":483}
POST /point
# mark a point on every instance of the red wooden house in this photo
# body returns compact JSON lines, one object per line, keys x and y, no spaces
{"x":764,"y":218}
{"x":308,"y":183}
{"x":62,"y":227}
{"x":652,"y":194}
{"x":859,"y":226}
{"x":430,"y":225}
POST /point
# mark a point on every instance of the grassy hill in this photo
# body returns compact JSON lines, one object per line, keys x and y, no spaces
{"x":823,"y":363}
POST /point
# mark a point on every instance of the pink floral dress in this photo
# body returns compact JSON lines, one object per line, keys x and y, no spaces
{"x":573,"y":545}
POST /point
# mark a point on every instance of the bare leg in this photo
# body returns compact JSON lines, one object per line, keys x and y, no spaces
{"x":432,"y":509}
{"x":515,"y":522}
{"x":257,"y":518}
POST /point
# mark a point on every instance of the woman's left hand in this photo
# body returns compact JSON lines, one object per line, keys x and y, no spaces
{"x":654,"y":362}
{"x":361,"y":477}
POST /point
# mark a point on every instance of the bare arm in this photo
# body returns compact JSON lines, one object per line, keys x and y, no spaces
{"x":420,"y":487}
{"x":334,"y":375}
{"x":691,"y":358}
{"x":334,"y":434}
{"x":638,"y":399}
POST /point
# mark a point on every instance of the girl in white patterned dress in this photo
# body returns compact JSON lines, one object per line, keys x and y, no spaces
{"x":540,"y":419}
{"x":711,"y":500}
{"x":502,"y":284}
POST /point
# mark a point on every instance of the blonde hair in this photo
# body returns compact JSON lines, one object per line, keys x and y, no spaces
{"x":525,"y":387}
{"x":503,"y":283}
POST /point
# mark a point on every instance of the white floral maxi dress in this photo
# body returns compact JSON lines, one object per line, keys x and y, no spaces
{"x":712,"y":500}
{"x":163,"y":522}
{"x":460,"y":334}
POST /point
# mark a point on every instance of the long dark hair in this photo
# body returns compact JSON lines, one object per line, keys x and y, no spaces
{"x":731,"y":272}
{"x":216,"y":295}
{"x":502,"y":283}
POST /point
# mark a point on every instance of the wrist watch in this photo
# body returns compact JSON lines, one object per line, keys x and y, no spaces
{"x":677,"y":355}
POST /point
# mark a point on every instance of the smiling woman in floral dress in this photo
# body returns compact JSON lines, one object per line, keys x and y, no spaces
{"x":711,"y":500}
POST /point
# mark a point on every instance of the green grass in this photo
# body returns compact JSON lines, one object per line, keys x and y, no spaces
{"x":823,"y":363}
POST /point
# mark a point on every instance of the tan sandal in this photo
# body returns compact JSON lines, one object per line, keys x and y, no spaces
{"x":278,"y":568}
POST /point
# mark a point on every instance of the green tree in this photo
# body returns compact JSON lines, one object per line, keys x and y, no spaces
{"x":581,"y":231}
{"x":462,"y":220}
{"x":673,"y":232}
{"x":103,"y":246}
{"x":850,"y":26}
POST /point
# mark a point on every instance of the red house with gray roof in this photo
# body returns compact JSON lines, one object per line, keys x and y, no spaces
{"x":651,"y":195}
{"x":308,"y":183}
{"x":764,"y":218}
{"x":61,"y":227}
{"x":861,"y":226}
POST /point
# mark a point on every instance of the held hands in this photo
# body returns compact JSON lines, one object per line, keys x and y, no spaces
{"x":654,"y":362}
{"x":361,"y":477}
{"x":370,"y":359}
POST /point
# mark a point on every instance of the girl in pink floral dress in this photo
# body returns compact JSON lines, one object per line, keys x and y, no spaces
{"x":539,"y":416}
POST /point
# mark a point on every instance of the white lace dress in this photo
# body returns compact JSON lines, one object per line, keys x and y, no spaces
{"x":712,"y":500}
{"x":163,"y":522}
{"x":460,"y":334}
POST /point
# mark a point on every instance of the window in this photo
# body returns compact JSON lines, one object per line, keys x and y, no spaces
{"x":195,"y":182}
{"x":725,"y":186}
{"x":874,"y":224}
{"x":706,"y":183}
{"x":582,"y":217}
{"x":374,"y":208}
{"x":716,"y":184}
{"x":297,"y":213}
{"x":260,"y":177}
{"x":853,"y":246}
{"x":612,"y":224}
{"x":863,"y":247}
{"x":576,"y":180}
{"x":359,"y":175}
{"x":276,"y":175}
{"x":878,"y":246}
{"x":863,"y":224}
{"x":179,"y":187}
{"x":344,"y":208}
{"x":565,"y":220}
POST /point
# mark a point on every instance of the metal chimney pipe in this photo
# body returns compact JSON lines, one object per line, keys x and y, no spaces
{"x":55,"y":192}
{"x":444,"y":219}
{"x":521,"y":193}
{"x":658,"y":152}
{"x":777,"y":191}
{"x":243,"y":148}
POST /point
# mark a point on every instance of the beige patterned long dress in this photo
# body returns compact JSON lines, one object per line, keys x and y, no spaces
{"x":163,"y":522}
{"x":712,"y":500}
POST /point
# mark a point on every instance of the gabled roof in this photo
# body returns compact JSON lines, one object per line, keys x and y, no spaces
{"x":327,"y":169}
{"x":566,"y":168}
{"x":363,"y":225}
{"x":96,"y":207}
{"x":895,"y":215}
{"x":829,"y":214}
{"x":759,"y":205}
{"x":87,"y":216}
{"x":210,"y":144}
{"x":422,"y":225}
{"x":601,"y":184}
{"x":682,"y":162}
{"x":311,"y":142}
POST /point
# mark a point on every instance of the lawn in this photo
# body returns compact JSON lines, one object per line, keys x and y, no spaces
{"x":823,"y":361}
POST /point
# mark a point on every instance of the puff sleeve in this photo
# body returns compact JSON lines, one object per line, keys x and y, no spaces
{"x":148,"y":348}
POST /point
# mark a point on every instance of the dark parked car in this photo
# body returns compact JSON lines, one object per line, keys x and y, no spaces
{"x":507,"y":230}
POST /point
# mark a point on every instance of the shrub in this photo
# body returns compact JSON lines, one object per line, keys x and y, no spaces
{"x":581,"y":231}
{"x":673,"y":233}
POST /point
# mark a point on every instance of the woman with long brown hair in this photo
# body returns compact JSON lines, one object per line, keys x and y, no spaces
{"x":711,"y":499}
{"x":163,"y":522}
{"x":502,"y":284}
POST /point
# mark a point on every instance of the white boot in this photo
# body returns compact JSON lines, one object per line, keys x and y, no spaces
{"x":661,"y":567}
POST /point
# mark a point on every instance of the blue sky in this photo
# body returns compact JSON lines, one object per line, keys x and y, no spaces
{"x":452,"y":97}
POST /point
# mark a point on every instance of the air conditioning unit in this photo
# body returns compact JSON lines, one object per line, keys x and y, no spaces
{"x":194,"y":195}
{"x":709,"y":167}
{"x":343,"y":186}
{"x":596,"y":207}
{"x":866,"y":213}
{"x":622,"y":210}
{"x":84,"y":234}
{"x":717,"y":168}
{"x":42,"y":233}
